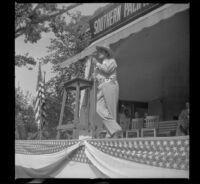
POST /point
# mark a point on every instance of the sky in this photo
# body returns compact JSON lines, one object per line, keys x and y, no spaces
{"x":25,"y":78}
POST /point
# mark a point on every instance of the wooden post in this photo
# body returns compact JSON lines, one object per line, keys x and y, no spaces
{"x":62,"y":112}
{"x":95,"y":89}
{"x":40,"y":125}
{"x":40,"y":130}
{"x":76,"y":112}
{"x":95,"y":100}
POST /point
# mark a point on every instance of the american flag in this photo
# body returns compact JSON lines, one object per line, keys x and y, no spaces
{"x":40,"y":106}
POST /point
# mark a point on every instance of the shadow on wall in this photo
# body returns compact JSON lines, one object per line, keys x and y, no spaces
{"x":154,"y":63}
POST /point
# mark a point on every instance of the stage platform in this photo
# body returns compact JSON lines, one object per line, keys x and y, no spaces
{"x":150,"y":157}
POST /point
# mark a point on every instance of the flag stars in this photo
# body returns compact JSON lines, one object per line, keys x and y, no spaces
{"x":138,"y":155}
{"x":182,"y":166}
{"x":158,"y":143}
{"x":179,"y":159}
{"x":150,"y":156}
{"x":123,"y":151}
{"x":152,"y":143}
{"x":162,"y":153}
{"x":186,"y":142}
{"x":141,"y":160}
{"x":167,"y":164}
{"x":154,"y":163}
{"x":136,"y":159}
{"x":147,"y":161}
{"x":163,"y":158}
{"x":133,"y":153}
{"x":183,"y":154}
{"x":160,"y":164}
{"x":175,"y":165}
{"x":128,"y":152}
{"x":144,"y":156}
{"x":167,"y":148}
{"x":125,"y":145}
{"x":179,"y":143}
{"x":164,"y":143}
{"x":141,"y":146}
{"x":148,"y":147}
{"x":130,"y":144}
{"x":140,"y":142}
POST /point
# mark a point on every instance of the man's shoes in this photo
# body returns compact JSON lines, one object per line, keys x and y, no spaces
{"x":116,"y":135}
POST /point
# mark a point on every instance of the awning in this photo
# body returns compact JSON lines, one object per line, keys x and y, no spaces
{"x":148,"y":20}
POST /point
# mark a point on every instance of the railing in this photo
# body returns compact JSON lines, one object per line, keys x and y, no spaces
{"x":166,"y":128}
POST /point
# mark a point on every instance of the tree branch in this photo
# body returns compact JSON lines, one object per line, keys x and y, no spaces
{"x":45,"y":18}
{"x":20,"y":31}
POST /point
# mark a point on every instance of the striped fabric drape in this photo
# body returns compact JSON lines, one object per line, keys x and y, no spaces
{"x":149,"y":157}
{"x":40,"y":106}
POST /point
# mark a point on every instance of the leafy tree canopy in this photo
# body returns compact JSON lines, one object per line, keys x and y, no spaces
{"x":24,"y":114}
{"x":31,"y":20}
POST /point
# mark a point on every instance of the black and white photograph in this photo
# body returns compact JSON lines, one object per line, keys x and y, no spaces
{"x":102,"y":90}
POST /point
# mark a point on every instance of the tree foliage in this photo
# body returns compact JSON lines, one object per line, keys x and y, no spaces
{"x":24,"y":60}
{"x":31,"y":20}
{"x":24,"y":114}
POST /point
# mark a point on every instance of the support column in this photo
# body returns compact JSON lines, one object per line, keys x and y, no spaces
{"x":76,"y":112}
{"x":62,"y":112}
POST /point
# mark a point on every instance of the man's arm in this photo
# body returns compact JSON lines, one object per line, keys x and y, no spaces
{"x":107,"y":67}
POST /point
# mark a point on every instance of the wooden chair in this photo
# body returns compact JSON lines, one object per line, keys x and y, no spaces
{"x":166,"y":128}
{"x":124,"y":122}
{"x":151,"y":125}
{"x":136,"y":125}
{"x":102,"y":134}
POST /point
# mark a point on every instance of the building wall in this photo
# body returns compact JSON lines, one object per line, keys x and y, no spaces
{"x":154,"y":64}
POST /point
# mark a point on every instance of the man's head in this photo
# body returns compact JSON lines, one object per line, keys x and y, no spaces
{"x":136,"y":115}
{"x":104,"y":52}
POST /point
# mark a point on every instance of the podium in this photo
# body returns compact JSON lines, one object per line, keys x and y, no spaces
{"x":77,"y":84}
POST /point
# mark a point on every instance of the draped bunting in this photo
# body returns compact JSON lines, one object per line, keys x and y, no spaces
{"x":103,"y":158}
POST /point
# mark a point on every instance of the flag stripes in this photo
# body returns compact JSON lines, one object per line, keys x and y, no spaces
{"x":40,"y":107}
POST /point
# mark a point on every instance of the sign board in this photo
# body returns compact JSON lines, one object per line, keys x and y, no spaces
{"x":118,"y":15}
